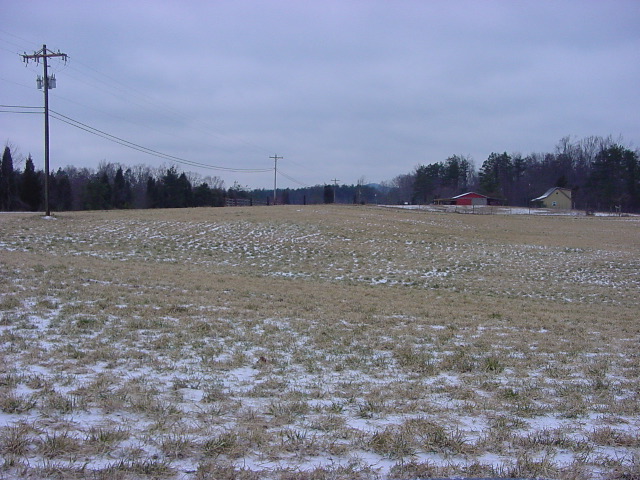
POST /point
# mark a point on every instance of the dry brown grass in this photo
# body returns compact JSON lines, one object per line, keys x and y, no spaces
{"x":264,"y":341}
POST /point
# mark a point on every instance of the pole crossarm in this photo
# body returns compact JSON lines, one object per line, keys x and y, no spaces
{"x":44,"y":53}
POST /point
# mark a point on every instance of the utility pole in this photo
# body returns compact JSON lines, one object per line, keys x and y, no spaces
{"x":335,"y":183}
{"x":275,"y":175}
{"x":46,"y":83}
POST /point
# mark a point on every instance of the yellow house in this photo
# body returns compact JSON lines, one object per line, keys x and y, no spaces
{"x":556,"y":197}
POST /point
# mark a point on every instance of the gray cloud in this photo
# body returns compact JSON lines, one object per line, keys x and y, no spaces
{"x":342,"y":89}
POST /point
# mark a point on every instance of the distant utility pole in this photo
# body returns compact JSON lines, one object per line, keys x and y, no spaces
{"x":45,"y":82}
{"x":275,"y":175}
{"x":335,"y":183}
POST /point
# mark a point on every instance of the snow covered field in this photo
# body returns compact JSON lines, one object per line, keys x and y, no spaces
{"x":319,"y":342}
{"x":504,"y":210}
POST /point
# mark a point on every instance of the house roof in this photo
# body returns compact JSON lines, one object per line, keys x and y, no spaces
{"x":469,"y":193}
{"x":550,"y":191}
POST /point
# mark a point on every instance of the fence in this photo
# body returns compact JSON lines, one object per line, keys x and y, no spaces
{"x":242,"y":202}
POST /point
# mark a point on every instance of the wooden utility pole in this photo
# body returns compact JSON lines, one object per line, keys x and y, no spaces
{"x":335,"y":187}
{"x":275,"y":175}
{"x":47,"y":83}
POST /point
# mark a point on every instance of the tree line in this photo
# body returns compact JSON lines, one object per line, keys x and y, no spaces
{"x":115,"y":186}
{"x":602,"y":173}
{"x":111,"y":186}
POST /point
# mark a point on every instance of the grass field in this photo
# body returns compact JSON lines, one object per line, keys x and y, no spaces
{"x":319,"y":342}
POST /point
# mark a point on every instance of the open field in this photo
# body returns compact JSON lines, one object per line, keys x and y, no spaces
{"x":315,"y":342}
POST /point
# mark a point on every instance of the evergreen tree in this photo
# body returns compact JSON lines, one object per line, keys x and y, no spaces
{"x":121,"y":192}
{"x":496,"y":175}
{"x":203,"y":196}
{"x":328,"y":194}
{"x":98,"y":193}
{"x":427,"y":182}
{"x":562,"y":181}
{"x":7,"y":181}
{"x":632,"y":168}
{"x":613,"y":182}
{"x":458,"y":173}
{"x":30,"y":186}
{"x":153,"y":195}
{"x":62,"y":194}
{"x":168,"y":189}
{"x":184,"y":194}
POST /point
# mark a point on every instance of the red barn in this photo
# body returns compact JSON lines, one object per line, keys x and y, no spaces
{"x":469,"y":198}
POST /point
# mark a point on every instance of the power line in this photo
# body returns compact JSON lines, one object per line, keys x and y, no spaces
{"x":18,"y":106}
{"x":293,"y":179}
{"x":92,"y":77}
{"x":20,"y":109}
{"x":16,"y":83}
{"x":136,"y":96}
{"x":129,"y":94}
{"x":94,"y":131}
{"x":311,"y":170}
{"x":14,"y":36}
{"x":148,"y":151}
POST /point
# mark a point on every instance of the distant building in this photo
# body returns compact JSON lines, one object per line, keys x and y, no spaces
{"x":555,"y":197}
{"x":469,"y":198}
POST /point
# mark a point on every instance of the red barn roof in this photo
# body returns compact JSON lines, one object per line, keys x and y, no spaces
{"x":469,"y":195}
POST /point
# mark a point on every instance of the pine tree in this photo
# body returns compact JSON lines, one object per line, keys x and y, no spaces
{"x":168,"y":188}
{"x":202,"y":196}
{"x":428,"y":182}
{"x":121,"y":192}
{"x":153,"y":195}
{"x":496,"y":175}
{"x":184,"y":192}
{"x":30,"y":187}
{"x":98,"y":193}
{"x":63,"y":191}
{"x":613,"y":182}
{"x":328,"y":194}
{"x":7,"y":181}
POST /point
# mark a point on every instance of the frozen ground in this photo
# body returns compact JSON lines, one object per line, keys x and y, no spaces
{"x":499,"y":210}
{"x":317,"y":343}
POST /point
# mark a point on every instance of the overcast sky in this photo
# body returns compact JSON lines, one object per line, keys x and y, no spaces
{"x":341,"y":89}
